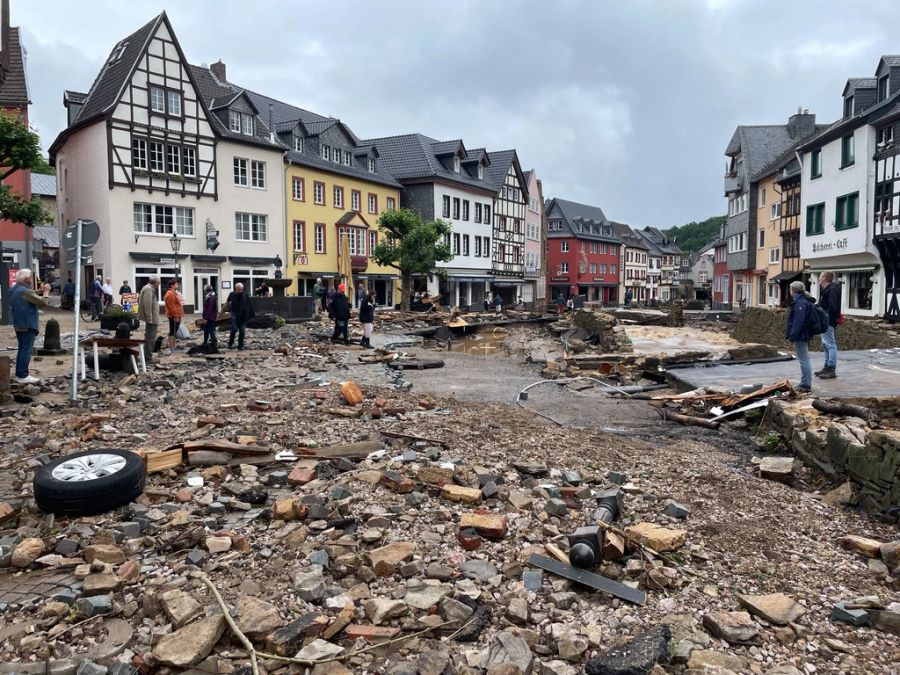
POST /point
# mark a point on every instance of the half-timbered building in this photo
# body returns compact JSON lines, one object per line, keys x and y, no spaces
{"x":183,"y":179}
{"x":886,"y":204}
{"x":505,"y":177}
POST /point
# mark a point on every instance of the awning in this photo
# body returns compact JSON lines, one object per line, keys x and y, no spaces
{"x":158,"y":257}
{"x":208,"y":258}
{"x":856,"y":268}
{"x":785,"y":276}
{"x":251,"y":261}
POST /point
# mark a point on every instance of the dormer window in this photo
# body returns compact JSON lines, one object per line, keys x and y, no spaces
{"x":456,"y":164}
{"x":883,"y":82}
{"x":481,"y":172}
{"x":248,"y":126}
{"x":348,"y":158}
{"x":371,"y":165}
{"x":848,"y":107}
{"x":298,"y":144}
{"x":241,"y":123}
{"x":326,"y":152}
{"x":118,"y":52}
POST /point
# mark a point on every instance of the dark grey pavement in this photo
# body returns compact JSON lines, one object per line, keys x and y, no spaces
{"x":874,"y":372}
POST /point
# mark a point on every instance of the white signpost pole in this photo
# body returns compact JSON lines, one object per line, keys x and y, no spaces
{"x":77,"y":309}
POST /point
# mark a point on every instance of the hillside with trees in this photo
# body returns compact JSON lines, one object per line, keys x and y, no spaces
{"x":694,"y":235}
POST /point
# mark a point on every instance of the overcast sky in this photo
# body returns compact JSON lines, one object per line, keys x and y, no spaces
{"x":623,"y":105}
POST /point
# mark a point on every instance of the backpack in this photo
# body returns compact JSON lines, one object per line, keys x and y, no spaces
{"x":816,"y":320}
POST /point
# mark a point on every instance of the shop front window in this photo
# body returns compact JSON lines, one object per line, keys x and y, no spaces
{"x":860,"y":286}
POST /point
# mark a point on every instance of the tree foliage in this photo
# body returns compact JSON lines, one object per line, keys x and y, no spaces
{"x":694,"y":236}
{"x":411,"y":246}
{"x":19,"y":150}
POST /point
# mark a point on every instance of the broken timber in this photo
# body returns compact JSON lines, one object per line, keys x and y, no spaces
{"x":688,"y":419}
{"x":359,"y":450}
{"x":416,"y":364}
{"x":589,"y":579}
{"x":843,"y":409}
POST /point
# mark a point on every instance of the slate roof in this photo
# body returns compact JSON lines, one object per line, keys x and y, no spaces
{"x":43,"y":185}
{"x":760,"y":146}
{"x":49,"y":235}
{"x":892,"y":60}
{"x":14,"y":87}
{"x":789,"y":155}
{"x":860,"y":83}
{"x":576,"y":213}
{"x":878,"y":112}
{"x":104,"y":92}
{"x":660,"y":241}
{"x":412,"y":156}
{"x":495,"y":172}
{"x":628,"y":236}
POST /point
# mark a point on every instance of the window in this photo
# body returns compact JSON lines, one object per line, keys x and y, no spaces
{"x":157,"y":157}
{"x":234,"y":121}
{"x":883,"y":87}
{"x":251,"y":227}
{"x":456,"y":243}
{"x":465,"y":209}
{"x":248,"y":126}
{"x":848,"y":107}
{"x":338,"y":197}
{"x":736,"y":243}
{"x":336,"y":155}
{"x":355,"y":200}
{"x":157,"y":99}
{"x":348,"y":160}
{"x":356,"y":239}
{"x":703,"y":277}
{"x":486,"y":247}
{"x":593,"y":247}
{"x":173,"y":101}
{"x":564,"y":246}
{"x":391,"y":204}
{"x":774,"y":255}
{"x":487,"y":214}
{"x":846,"y":212}
{"x":240,"y":171}
{"x":373,"y":203}
{"x":173,"y":158}
{"x":564,"y":267}
{"x":593,"y":268}
{"x":445,"y":206}
{"x":326,"y":152}
{"x":860,"y":295}
{"x":299,"y":236}
{"x":815,"y":219}
{"x":158,"y":219}
{"x":456,"y":164}
{"x":775,"y":211}
{"x":373,"y":240}
{"x":371,"y":165}
{"x":189,"y":161}
{"x":762,"y":196}
{"x":477,"y":246}
{"x":465,"y":244}
{"x":762,"y":238}
{"x":298,"y":189}
{"x":318,"y":192}
{"x":456,"y":208}
{"x":480,"y":172}
{"x":603,"y":268}
{"x":139,"y":153}
{"x":815,"y":163}
{"x":848,"y":151}
{"x":477,"y":211}
{"x":258,"y":174}
{"x":885,"y":136}
{"x":298,"y":144}
{"x":320,"y":237}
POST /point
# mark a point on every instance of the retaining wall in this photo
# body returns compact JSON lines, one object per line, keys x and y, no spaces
{"x":767,"y":326}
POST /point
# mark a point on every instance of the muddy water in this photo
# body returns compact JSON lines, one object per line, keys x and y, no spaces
{"x":535,"y":342}
{"x":486,"y":342}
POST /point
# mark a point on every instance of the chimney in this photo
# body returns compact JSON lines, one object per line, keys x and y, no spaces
{"x":4,"y":39}
{"x":218,"y":69}
{"x":802,"y":124}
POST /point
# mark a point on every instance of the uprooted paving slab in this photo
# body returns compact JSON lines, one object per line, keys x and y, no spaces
{"x":326,"y":557}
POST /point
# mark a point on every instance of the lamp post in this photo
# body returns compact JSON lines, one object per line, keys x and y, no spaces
{"x":175,"y":242}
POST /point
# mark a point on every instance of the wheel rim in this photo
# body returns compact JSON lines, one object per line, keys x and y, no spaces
{"x":88,"y":467}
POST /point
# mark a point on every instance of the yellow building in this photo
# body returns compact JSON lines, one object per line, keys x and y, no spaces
{"x":768,"y":235}
{"x":333,"y":187}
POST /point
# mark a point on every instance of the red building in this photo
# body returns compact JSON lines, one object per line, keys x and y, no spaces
{"x":721,"y":296}
{"x":582,"y":253}
{"x":14,"y":101}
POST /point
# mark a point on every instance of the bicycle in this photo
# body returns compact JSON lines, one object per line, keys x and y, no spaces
{"x":89,"y":313}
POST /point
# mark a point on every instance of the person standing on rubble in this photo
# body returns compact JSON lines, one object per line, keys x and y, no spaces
{"x":560,"y":305}
{"x":798,"y":333}
{"x":498,"y":303}
{"x":361,"y":294}
{"x":240,"y":306}
{"x":210,"y":314}
{"x":367,"y":318}
{"x":148,"y":312}
{"x":174,"y":310}
{"x":319,"y":294}
{"x":830,"y":301}
{"x":339,"y":310}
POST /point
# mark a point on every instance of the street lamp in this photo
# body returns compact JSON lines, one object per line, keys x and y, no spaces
{"x":175,"y":242}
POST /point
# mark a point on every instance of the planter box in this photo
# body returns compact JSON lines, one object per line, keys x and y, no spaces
{"x":111,"y":323}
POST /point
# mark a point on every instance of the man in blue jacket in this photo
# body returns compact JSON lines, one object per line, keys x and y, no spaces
{"x":798,"y":334}
{"x":25,"y":302}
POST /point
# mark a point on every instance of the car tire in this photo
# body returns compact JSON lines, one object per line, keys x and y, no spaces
{"x":89,"y":483}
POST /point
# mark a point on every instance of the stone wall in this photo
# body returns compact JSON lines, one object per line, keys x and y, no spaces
{"x":844,"y":448}
{"x":767,"y":326}
{"x":611,"y":335}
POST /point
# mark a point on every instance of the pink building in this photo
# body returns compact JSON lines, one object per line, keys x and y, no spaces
{"x":534,"y":292}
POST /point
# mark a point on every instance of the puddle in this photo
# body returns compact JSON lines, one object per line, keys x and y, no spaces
{"x":487,"y":342}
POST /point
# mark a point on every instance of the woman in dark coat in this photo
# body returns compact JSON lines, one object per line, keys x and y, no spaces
{"x":210,"y":314}
{"x":339,"y":310}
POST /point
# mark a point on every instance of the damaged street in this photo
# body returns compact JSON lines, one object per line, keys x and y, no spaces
{"x":422,"y":508}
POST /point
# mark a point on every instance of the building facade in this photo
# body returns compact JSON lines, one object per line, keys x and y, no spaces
{"x":664,"y":263}
{"x":582,"y":252}
{"x":534,"y":292}
{"x":182,"y":184}
{"x":721,"y":292}
{"x":886,"y":205}
{"x":633,"y":262}
{"x":505,"y":176}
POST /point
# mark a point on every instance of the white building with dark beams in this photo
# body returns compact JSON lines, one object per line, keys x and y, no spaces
{"x":505,"y":176}
{"x":849,"y":204}
{"x":152,"y":154}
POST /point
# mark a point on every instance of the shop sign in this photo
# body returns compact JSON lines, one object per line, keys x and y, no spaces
{"x":829,"y":246}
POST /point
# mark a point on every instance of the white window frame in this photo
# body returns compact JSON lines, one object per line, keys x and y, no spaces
{"x":298,"y":189}
{"x":257,"y":174}
{"x":371,"y":165}
{"x":248,"y":124}
{"x":319,"y":193}
{"x":456,"y":243}
{"x":163,"y":219}
{"x":372,"y":202}
{"x":298,"y":144}
{"x":564,"y":246}
{"x":173,"y":158}
{"x":337,"y":195}
{"x":564,"y":267}
{"x":234,"y":121}
{"x":355,"y":200}
{"x":775,"y":211}
{"x":157,"y":96}
{"x":774,"y":255}
{"x":326,"y":152}
{"x":189,"y":161}
{"x":157,"y":156}
{"x":319,"y":237}
{"x":348,"y":158}
{"x":480,"y":171}
{"x":174,"y":102}
{"x":241,"y":171}
{"x":251,"y":227}
{"x":299,"y":228}
{"x":390,"y":204}
{"x":456,"y":164}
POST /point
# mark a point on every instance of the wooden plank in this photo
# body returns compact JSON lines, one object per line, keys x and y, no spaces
{"x":154,"y":462}
{"x":359,"y":450}
{"x":221,"y":445}
{"x":586,"y":578}
{"x":557,"y":553}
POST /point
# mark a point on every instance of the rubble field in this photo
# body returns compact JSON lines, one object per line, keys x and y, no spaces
{"x":294,"y":522}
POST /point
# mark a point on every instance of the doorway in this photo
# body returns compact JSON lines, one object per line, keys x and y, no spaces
{"x":202,"y":277}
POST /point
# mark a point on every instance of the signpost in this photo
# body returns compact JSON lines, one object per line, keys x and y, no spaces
{"x":78,"y":239}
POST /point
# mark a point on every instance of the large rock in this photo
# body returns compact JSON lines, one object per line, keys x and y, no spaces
{"x":384,"y":560}
{"x":658,"y":538}
{"x":257,"y":618}
{"x":870,"y":548}
{"x":188,"y":646}
{"x":709,"y":660}
{"x":379,"y":610}
{"x":424,"y":596}
{"x":777,"y":468}
{"x":736,"y":628}
{"x":179,"y":607}
{"x":320,"y":649}
{"x":508,"y":649}
{"x":27,"y":552}
{"x":106,"y":553}
{"x":635,"y":657}
{"x":776,"y":608}
{"x":890,"y":554}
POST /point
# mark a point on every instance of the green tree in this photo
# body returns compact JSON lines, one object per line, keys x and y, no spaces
{"x":411,"y":246}
{"x":694,"y":236}
{"x":19,"y":150}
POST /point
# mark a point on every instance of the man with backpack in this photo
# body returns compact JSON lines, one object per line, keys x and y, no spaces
{"x":805,"y":320}
{"x":830,"y":301}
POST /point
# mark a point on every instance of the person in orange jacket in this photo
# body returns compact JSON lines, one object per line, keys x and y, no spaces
{"x":174,"y":310}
